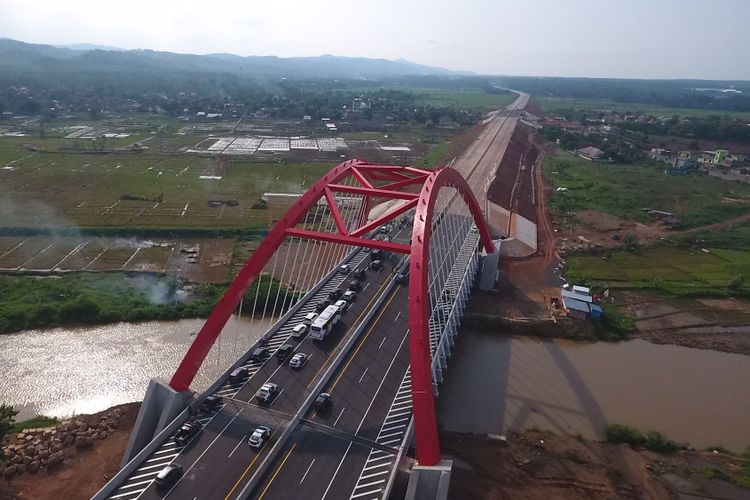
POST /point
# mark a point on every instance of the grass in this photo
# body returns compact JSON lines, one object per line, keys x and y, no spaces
{"x":624,"y":190}
{"x":651,"y":440}
{"x":739,"y":478}
{"x":679,"y":271}
{"x":63,"y":189}
{"x":463,"y":99}
{"x":34,"y":423}
{"x":432,"y":158}
{"x":557,"y":104}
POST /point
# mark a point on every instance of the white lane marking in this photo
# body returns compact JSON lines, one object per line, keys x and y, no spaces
{"x":367,"y":411}
{"x":381,"y":343}
{"x":129,"y":493}
{"x":393,"y":427}
{"x":370,"y":467}
{"x":375,"y":474}
{"x":238,"y":445}
{"x":397,"y":316}
{"x":132,"y":485}
{"x":391,"y":441}
{"x":160,"y":458}
{"x":363,"y":375}
{"x":367,"y":493}
{"x":308,"y":470}
{"x":396,"y":433}
{"x":204,"y":452}
{"x":337,"y":418}
{"x":370,"y":484}
{"x":365,"y":288}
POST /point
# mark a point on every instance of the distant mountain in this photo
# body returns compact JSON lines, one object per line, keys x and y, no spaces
{"x":18,"y":59}
{"x":87,"y":46}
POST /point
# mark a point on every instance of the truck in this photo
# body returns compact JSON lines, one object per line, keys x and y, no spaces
{"x":324,"y":323}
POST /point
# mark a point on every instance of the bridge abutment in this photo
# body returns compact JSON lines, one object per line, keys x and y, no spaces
{"x":160,"y":406}
{"x":429,"y":482}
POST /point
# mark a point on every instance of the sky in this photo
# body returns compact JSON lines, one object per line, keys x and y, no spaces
{"x":708,"y":39}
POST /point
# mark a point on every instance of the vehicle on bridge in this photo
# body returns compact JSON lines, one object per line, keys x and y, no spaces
{"x":259,"y":436}
{"x":323,"y":402}
{"x":349,"y":296}
{"x":168,"y":476}
{"x":300,"y":330}
{"x":259,"y":354}
{"x":188,"y":431}
{"x":266,"y":393}
{"x":321,"y":306}
{"x":323,"y":324}
{"x":238,"y":374}
{"x":376,"y":265}
{"x":342,"y":305}
{"x":298,"y":360}
{"x":355,"y":285}
{"x":211,"y":404}
{"x":310,"y":318}
{"x":334,"y":295}
{"x":402,"y":278}
{"x":345,"y":269}
{"x":284,"y":351}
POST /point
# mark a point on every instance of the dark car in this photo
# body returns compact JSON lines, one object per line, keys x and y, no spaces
{"x":320,"y":306}
{"x":322,"y":402}
{"x":335,"y":295}
{"x":402,"y":278}
{"x":259,"y":354}
{"x":237,"y":374}
{"x":359,"y":274}
{"x":376,"y":254}
{"x":355,"y":285}
{"x":376,"y":265}
{"x":188,"y":431}
{"x":211,"y":403}
{"x":284,"y":352}
{"x":168,"y":476}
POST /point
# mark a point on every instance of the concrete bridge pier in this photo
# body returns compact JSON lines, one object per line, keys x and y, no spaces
{"x":160,"y":407}
{"x":429,"y":482}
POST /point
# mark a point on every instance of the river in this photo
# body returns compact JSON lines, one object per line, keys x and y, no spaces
{"x":496,"y":383}
{"x":72,"y":370}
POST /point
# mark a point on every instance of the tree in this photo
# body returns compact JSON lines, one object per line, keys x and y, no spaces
{"x":7,"y":415}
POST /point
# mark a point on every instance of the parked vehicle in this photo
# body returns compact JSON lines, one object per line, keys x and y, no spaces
{"x":310,"y":318}
{"x":238,"y":374}
{"x":376,"y":265}
{"x":259,"y":436}
{"x":284,"y":352}
{"x":323,"y":324}
{"x":266,"y":393}
{"x":298,"y":360}
{"x":168,"y":476}
{"x":320,"y":306}
{"x":322,"y":402}
{"x":259,"y":354}
{"x":334,"y":295}
{"x":349,"y":296}
{"x":211,"y":403}
{"x":300,"y":330}
{"x":345,"y":269}
{"x":188,"y":431}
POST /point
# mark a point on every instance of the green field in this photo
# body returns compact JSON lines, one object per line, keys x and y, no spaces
{"x":624,"y":190}
{"x":556,"y":104}
{"x":465,"y":99}
{"x":55,"y":188}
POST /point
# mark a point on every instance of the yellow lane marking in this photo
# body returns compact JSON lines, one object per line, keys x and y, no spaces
{"x":277,"y":472}
{"x":242,"y":476}
{"x":374,"y":324}
{"x":364,"y":311}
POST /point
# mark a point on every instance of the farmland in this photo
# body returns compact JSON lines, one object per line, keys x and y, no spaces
{"x":624,"y":190}
{"x":557,"y":104}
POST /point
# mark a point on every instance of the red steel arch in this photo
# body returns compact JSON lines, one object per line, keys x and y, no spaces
{"x":420,"y":360}
{"x":396,"y":178}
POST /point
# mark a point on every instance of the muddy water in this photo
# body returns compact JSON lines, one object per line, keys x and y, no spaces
{"x":65,"y":371}
{"x":496,"y":383}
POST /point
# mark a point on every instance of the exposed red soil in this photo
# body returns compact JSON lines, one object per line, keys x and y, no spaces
{"x":83,"y":473}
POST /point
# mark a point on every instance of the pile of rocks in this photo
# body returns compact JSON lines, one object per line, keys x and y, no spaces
{"x":33,"y":450}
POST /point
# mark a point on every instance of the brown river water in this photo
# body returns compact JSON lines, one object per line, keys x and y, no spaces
{"x":494,"y":383}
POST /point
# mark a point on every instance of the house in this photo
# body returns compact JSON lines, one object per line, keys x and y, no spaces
{"x":590,"y":153}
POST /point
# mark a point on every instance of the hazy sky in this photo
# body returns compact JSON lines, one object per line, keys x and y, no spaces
{"x":598,"y":38}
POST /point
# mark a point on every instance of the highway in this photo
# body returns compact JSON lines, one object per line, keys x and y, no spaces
{"x":349,"y":451}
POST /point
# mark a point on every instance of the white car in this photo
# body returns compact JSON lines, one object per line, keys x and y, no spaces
{"x":298,"y":360}
{"x":342,"y":305}
{"x":299,"y":330}
{"x":349,"y":296}
{"x":345,"y":269}
{"x":266,"y":392}
{"x":310,"y":318}
{"x":259,"y":436}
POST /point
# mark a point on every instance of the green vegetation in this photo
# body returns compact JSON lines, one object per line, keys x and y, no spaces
{"x":624,"y":190}
{"x":651,"y":440}
{"x":666,"y":268}
{"x":432,"y":158}
{"x":560,"y":105}
{"x":34,"y":423}
{"x":7,"y":415}
{"x":27,"y":302}
{"x":740,"y":477}
{"x":463,"y":99}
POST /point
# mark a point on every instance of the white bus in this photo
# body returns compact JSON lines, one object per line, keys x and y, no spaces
{"x":324,"y":323}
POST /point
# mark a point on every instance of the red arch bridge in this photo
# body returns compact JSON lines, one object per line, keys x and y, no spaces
{"x":362,"y":228}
